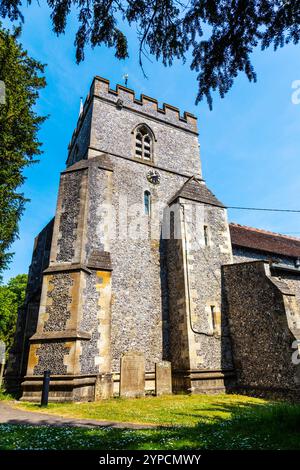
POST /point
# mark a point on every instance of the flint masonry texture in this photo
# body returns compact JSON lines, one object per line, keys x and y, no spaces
{"x":102,"y":285}
{"x":263,"y":328}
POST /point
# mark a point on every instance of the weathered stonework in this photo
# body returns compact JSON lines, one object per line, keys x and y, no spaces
{"x":200,"y":340}
{"x":28,"y":314}
{"x":51,"y":357}
{"x":104,"y":387}
{"x":291,"y":280}
{"x":82,"y":135}
{"x":132,"y":375}
{"x":136,"y":327}
{"x":137,"y":249}
{"x":263,"y":315}
{"x":176,"y":144}
{"x":69,"y":217}
{"x":90,"y":349}
{"x":281,"y":266}
{"x":59,"y":297}
{"x":163,"y":378}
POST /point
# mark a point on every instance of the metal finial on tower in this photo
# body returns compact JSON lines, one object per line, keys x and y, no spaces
{"x":81,"y":107}
{"x":125,"y":77}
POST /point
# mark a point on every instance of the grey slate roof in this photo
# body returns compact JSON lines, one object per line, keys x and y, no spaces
{"x":196,"y":190}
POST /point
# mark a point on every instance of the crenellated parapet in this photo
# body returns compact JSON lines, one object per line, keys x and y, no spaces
{"x":125,"y":98}
{"x":145,"y":104}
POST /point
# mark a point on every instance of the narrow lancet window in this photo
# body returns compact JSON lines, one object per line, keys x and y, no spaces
{"x":147,"y":203}
{"x":213,"y":316}
{"x":206,"y":238}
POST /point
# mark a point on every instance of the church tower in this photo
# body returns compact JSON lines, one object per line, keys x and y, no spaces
{"x":135,"y":261}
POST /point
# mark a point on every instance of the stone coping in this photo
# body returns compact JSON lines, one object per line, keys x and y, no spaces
{"x":69,"y":267}
{"x":66,"y":267}
{"x":204,"y":374}
{"x":55,"y":335}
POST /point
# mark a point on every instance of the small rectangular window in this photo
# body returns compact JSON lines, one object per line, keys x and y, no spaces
{"x":206,"y":238}
{"x":147,"y":203}
{"x":213,"y":319}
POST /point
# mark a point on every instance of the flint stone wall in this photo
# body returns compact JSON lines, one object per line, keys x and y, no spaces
{"x":51,"y":357}
{"x":82,"y":138}
{"x":69,"y":217}
{"x":260,"y":328}
{"x":90,"y":323}
{"x":28,"y":314}
{"x":195,"y":285}
{"x":241,"y":255}
{"x":174,"y":149}
{"x":139,"y":277}
{"x":140,"y":311}
{"x":40,"y":258}
{"x":213,"y":349}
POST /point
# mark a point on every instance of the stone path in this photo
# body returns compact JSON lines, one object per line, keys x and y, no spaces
{"x":11,"y":415}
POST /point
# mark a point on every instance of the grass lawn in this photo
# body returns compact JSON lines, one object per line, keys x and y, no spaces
{"x":184,"y":422}
{"x":4,"y":396}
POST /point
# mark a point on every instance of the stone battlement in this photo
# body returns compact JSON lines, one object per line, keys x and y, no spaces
{"x":102,"y":87}
{"x":123,"y":97}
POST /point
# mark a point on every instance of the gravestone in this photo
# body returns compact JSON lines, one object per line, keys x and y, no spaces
{"x":132,"y":379}
{"x":163,"y":378}
{"x":104,"y":387}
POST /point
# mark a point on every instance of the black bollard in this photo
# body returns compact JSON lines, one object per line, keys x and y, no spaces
{"x":45,"y":390}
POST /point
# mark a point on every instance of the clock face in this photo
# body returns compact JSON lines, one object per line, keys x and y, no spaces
{"x":153,"y":177}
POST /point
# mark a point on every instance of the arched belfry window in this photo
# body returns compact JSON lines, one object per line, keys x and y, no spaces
{"x":147,"y":202}
{"x":143,"y":143}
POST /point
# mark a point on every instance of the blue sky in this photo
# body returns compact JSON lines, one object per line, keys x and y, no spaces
{"x":250,"y":142}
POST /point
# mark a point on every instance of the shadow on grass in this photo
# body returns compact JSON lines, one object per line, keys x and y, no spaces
{"x":260,"y":426}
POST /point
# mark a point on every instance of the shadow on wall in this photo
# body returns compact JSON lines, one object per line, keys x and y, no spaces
{"x":260,"y":312}
{"x":28,"y":314}
{"x":227,"y":356}
{"x":164,"y":298}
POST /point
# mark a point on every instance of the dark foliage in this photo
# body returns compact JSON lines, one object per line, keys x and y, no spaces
{"x":19,"y":125}
{"x":220,"y":33}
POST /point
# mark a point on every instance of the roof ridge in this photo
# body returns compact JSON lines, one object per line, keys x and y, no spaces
{"x":267,"y":232}
{"x":181,"y":188}
{"x":201,"y":193}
